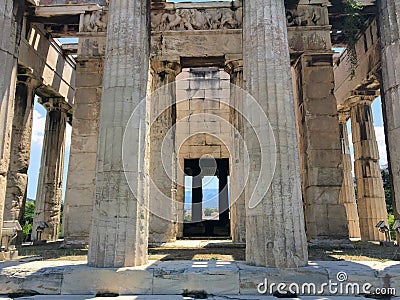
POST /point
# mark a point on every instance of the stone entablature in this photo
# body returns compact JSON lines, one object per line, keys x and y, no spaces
{"x":213,"y":17}
{"x":195,"y":16}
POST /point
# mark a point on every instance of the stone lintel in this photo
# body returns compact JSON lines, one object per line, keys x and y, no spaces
{"x":55,"y":103}
{"x":358,"y":97}
{"x":48,"y":11}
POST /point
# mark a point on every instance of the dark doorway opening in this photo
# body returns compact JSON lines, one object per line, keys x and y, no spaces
{"x":209,"y":209}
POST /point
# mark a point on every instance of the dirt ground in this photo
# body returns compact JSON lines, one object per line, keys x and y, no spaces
{"x":362,"y":251}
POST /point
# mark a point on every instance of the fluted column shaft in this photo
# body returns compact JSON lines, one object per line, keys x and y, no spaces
{"x":275,"y":234}
{"x":17,"y":177}
{"x":347,"y":195}
{"x":10,"y":17}
{"x":119,"y":233}
{"x":389,"y":23}
{"x":163,"y":225}
{"x":238,"y":206}
{"x":370,"y":193}
{"x":49,"y":190}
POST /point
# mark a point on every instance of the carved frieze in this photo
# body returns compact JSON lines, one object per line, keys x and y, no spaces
{"x":196,"y":19}
{"x":221,"y":18}
{"x":306,"y":15}
{"x":95,"y":21}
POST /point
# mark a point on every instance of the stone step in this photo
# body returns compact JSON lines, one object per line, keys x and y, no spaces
{"x":178,"y":297}
{"x":191,"y":277}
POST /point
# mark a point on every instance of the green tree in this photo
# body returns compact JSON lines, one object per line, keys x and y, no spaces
{"x":388,"y":189}
{"x":208,"y":212}
{"x":186,"y":216}
{"x":388,"y":198}
{"x":28,"y":218}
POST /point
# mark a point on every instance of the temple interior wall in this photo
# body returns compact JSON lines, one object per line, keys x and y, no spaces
{"x":203,"y":115}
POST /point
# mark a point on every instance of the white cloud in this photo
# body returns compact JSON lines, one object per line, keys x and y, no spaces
{"x":39,"y":122}
{"x":380,"y":138}
{"x":68,"y":133}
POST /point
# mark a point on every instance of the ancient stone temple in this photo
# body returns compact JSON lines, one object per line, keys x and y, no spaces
{"x":162,"y":96}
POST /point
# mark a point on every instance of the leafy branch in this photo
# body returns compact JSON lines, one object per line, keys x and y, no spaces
{"x":353,"y":22}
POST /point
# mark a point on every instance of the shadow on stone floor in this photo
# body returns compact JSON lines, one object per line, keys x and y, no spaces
{"x":217,"y":251}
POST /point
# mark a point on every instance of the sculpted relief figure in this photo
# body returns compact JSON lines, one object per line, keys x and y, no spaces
{"x":174,"y":21}
{"x":305,"y":18}
{"x":195,"y":19}
{"x":229,"y":21}
{"x":95,"y":21}
{"x":199,"y":19}
{"x":214,"y":19}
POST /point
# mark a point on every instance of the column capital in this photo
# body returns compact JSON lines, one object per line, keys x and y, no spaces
{"x":55,"y":103}
{"x":234,"y":66}
{"x":344,"y":115}
{"x":25,"y":76}
{"x":360,"y":97}
{"x":168,"y":67}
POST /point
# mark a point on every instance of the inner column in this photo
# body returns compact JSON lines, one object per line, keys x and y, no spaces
{"x":163,"y":207}
{"x":223,"y":197}
{"x":234,"y":67}
{"x":197,"y":198}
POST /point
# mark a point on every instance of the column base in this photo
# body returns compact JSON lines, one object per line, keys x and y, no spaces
{"x":74,"y":244}
{"x":9,"y":255}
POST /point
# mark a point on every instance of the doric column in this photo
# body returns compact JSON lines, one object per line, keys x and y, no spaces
{"x":320,"y":150}
{"x":10,"y":17}
{"x":163,"y":225}
{"x":347,"y":195}
{"x":370,"y":193}
{"x":49,"y":190}
{"x":389,"y":24}
{"x":234,"y":68}
{"x":275,"y":234}
{"x":223,"y":197}
{"x":119,"y":233}
{"x":17,"y":177}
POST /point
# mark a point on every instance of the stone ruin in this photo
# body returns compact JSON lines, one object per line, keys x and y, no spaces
{"x":129,"y":49}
